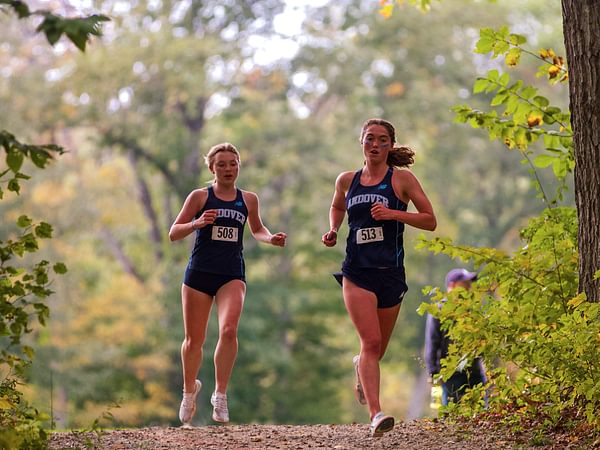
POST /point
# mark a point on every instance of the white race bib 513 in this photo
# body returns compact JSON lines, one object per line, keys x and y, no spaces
{"x":368,"y":235}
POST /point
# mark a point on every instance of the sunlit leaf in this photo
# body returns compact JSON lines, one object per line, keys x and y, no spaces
{"x":387,"y":10}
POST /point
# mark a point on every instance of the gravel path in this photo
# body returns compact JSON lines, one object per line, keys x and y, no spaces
{"x":414,"y":435}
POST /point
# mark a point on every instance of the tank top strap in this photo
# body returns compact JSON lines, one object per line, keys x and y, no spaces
{"x":388,"y":176}
{"x":355,"y":179}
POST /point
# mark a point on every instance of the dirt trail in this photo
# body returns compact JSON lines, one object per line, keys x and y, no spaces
{"x":414,"y":435}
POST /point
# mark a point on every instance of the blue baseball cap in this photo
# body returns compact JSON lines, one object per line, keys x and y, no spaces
{"x":460,"y":275}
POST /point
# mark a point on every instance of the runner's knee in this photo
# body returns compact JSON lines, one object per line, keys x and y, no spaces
{"x":371,"y":346}
{"x":228,"y":333}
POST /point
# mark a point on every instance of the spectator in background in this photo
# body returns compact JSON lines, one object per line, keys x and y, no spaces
{"x":437,"y":342}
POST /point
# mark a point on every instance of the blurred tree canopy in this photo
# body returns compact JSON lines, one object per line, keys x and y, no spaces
{"x":170,"y":79}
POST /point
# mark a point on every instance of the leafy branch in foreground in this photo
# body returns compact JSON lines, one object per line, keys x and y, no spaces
{"x":79,"y":29}
{"x":525,"y":313}
{"x":23,"y":290}
{"x":520,"y":116}
{"x":525,"y":317}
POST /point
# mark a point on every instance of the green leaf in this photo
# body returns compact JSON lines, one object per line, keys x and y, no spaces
{"x":16,"y":328}
{"x":78,"y":30}
{"x":20,"y":7}
{"x":43,"y":230}
{"x":51,"y":31}
{"x":39,"y":157}
{"x":484,"y":45}
{"x":29,"y":351}
{"x":517,"y":39}
{"x":559,"y":168}
{"x":493,"y":75}
{"x":528,"y":92}
{"x":486,"y":41}
{"x":14,"y":160}
{"x":500,"y":47}
{"x":480,"y":85}
{"x":504,"y":79}
{"x":23,"y":221}
{"x":60,"y":268}
{"x":13,"y":185}
{"x":79,"y":38}
{"x":500,"y":98}
{"x":551,"y":140}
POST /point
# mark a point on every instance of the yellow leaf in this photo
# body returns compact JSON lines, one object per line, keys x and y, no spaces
{"x":577,"y":300}
{"x":386,"y":11}
{"x":553,"y":71}
{"x":395,"y":89}
{"x":5,"y":404}
{"x":511,"y":59}
{"x":534,"y":119}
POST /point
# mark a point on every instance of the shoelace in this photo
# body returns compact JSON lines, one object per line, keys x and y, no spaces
{"x":221,"y":402}
{"x":187,"y":400}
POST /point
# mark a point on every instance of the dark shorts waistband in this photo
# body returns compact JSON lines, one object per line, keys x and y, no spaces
{"x":388,"y":285}
{"x":206,"y":282}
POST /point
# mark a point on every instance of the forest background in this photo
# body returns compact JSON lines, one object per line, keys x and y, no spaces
{"x":137,"y":111}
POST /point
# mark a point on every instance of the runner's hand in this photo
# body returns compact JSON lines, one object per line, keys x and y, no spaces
{"x":329,"y":238}
{"x":380,"y":212}
{"x":278,"y":239}
{"x":208,"y":217}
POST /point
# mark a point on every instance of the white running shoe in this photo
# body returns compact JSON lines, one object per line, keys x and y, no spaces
{"x":220,"y":411}
{"x":187,"y":409}
{"x":358,"y":389}
{"x":380,"y":424}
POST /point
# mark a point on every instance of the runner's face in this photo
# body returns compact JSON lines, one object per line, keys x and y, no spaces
{"x":376,"y":143}
{"x":226,"y":167}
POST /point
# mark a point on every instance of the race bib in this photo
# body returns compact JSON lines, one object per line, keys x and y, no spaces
{"x":229,"y":234}
{"x":368,"y":235}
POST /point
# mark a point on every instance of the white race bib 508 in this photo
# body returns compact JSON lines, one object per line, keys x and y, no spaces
{"x":229,"y":234}
{"x":368,"y":235}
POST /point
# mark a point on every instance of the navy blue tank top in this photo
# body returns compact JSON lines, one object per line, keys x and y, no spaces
{"x":218,"y":247}
{"x":373,"y":243}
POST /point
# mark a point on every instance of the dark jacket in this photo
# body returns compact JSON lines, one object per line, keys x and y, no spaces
{"x":436,"y":345}
{"x":436,"y":348}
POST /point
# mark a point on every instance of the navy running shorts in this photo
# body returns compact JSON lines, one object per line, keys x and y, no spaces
{"x":208,"y":283}
{"x":388,"y":285}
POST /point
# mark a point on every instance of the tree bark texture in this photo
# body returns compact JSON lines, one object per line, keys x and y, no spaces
{"x":581,"y":26}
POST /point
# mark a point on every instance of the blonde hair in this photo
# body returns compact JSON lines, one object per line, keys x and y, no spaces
{"x":399,"y":155}
{"x":209,"y":159}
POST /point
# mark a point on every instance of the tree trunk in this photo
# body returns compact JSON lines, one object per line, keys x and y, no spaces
{"x":581,"y":26}
{"x":145,"y":197}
